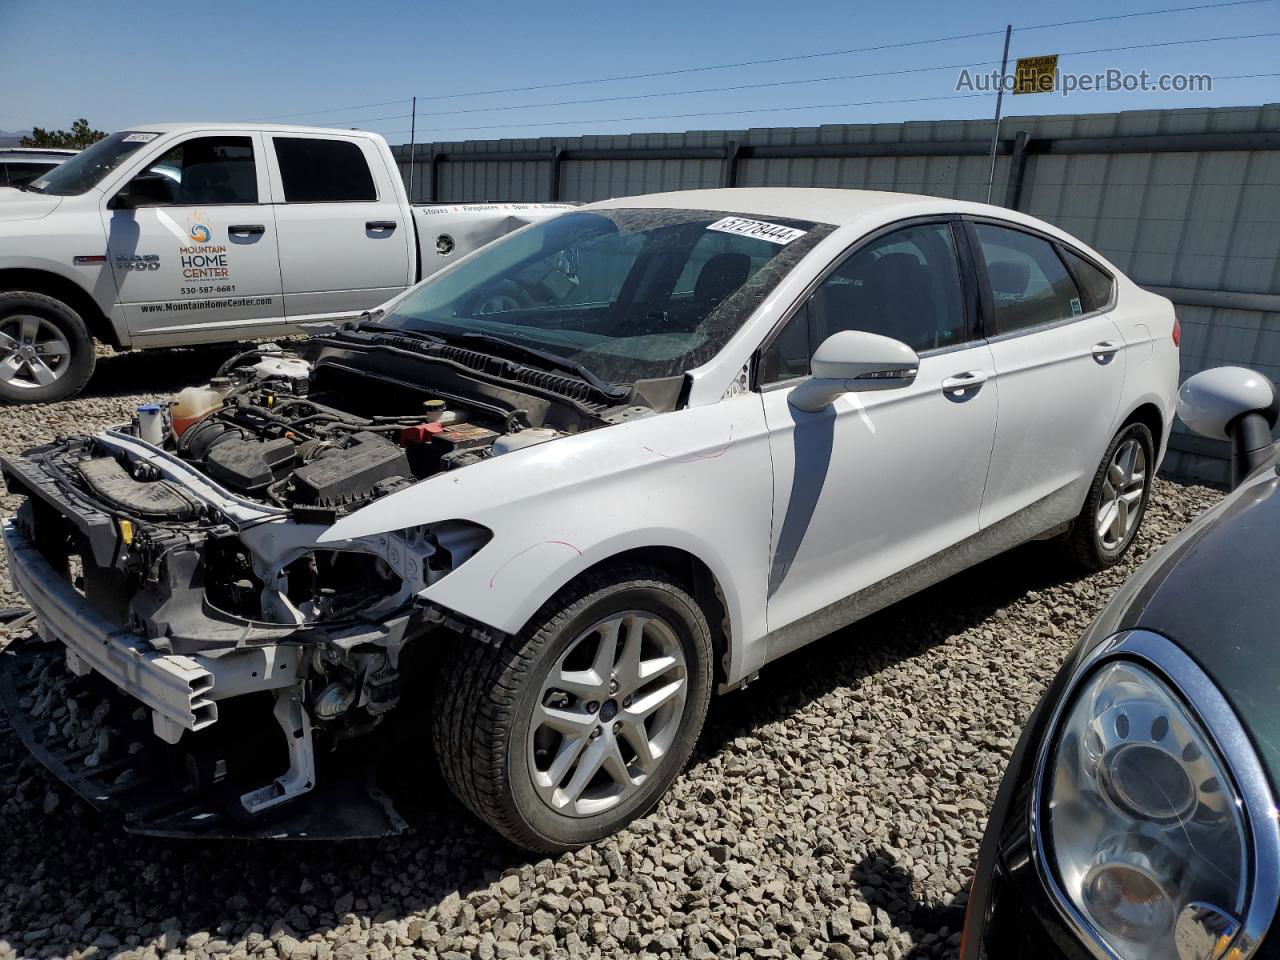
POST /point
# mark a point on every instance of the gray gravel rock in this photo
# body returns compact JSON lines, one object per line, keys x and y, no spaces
{"x":834,"y":809}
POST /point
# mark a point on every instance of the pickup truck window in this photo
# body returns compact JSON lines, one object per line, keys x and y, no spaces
{"x":86,"y":169}
{"x":602,"y":288}
{"x":315,"y":170}
{"x":207,"y":171}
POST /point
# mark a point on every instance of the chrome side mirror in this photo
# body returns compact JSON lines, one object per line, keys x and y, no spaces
{"x":853,"y":360}
{"x":1236,"y":404}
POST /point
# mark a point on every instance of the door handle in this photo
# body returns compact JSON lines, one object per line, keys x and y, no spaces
{"x":246,"y":229}
{"x":964,"y":385}
{"x":380,"y":227}
{"x":1103,"y":352}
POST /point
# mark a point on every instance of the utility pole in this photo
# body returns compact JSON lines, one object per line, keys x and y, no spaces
{"x":995,"y":134}
{"x":412,"y":140}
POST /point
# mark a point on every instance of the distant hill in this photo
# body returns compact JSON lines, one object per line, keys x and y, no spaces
{"x":11,"y":138}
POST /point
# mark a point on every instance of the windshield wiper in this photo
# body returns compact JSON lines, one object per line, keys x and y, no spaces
{"x":610,"y":390}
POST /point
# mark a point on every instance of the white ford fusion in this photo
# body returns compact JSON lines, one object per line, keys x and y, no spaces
{"x":543,"y":505}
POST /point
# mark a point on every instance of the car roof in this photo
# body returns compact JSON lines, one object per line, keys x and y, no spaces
{"x":819,"y":204}
{"x":36,"y":153}
{"x":171,"y":127}
{"x":835,"y":206}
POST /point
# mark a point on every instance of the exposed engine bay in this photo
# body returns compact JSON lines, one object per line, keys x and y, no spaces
{"x":181,"y":556}
{"x":325,"y":451}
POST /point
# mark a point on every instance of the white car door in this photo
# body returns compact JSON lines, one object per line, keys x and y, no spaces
{"x":880,"y":480}
{"x":1060,"y":366}
{"x":345,"y":244}
{"x":197,"y":256}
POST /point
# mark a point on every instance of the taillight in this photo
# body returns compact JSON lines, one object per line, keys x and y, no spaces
{"x":1177,"y":331}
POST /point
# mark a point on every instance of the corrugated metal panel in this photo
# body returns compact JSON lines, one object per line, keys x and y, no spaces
{"x":1198,"y":220}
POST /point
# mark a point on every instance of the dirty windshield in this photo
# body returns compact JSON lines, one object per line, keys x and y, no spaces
{"x":90,"y":165}
{"x":627,"y":294}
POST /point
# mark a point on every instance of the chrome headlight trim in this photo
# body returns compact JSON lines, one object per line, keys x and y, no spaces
{"x":1204,"y":701}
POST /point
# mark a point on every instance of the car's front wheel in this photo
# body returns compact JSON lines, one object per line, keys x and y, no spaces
{"x":46,"y":352}
{"x":1117,"y":500}
{"x":577,"y":725}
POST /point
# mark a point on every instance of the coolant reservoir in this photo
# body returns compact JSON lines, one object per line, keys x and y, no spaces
{"x":194,"y":402}
{"x":293,"y":369}
{"x":525,"y":438}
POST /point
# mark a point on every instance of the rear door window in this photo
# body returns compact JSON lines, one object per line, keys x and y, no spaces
{"x":1029,"y":282}
{"x":316,"y":170}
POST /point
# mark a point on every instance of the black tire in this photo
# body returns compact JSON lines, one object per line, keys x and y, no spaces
{"x":488,"y":692}
{"x":72,"y":371}
{"x":1085,"y":546}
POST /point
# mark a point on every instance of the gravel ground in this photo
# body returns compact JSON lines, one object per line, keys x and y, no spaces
{"x":833,"y":809}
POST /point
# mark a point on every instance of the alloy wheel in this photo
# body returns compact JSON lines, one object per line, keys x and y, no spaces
{"x":33,"y":351}
{"x":607,"y":714}
{"x":1120,"y":499}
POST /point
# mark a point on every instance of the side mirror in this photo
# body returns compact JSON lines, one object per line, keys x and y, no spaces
{"x":1236,"y":404}
{"x":854,"y":360}
{"x":144,"y":190}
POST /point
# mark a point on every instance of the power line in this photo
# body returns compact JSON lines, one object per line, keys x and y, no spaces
{"x":847,"y":76}
{"x":1143,"y":13}
{"x":713,"y":113}
{"x":812,"y":106}
{"x":677,"y":116}
{"x":1216,"y":79}
{"x":837,"y":53}
{"x":789,"y":59}
{"x":351,"y":122}
{"x":357,"y":106}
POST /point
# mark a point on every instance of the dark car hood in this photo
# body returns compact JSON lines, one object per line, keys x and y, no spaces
{"x":1214,"y":591}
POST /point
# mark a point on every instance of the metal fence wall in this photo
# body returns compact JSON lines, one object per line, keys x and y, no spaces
{"x":1187,"y":202}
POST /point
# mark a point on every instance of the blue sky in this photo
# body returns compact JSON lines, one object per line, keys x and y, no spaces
{"x":233,"y":60}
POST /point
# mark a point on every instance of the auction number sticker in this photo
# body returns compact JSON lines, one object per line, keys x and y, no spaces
{"x":140,"y":137}
{"x":759,"y":229}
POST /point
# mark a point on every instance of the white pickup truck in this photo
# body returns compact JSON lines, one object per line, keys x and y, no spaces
{"x":171,"y":234}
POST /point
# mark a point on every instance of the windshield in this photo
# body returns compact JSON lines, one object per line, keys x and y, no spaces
{"x":87,"y":168}
{"x":628,"y":294}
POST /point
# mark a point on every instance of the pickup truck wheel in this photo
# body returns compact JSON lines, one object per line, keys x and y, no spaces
{"x":577,"y":725}
{"x":46,"y":352}
{"x":1117,"y":500}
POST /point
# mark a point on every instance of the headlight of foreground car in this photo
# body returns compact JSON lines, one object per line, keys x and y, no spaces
{"x":1142,"y":817}
{"x":1152,"y":845}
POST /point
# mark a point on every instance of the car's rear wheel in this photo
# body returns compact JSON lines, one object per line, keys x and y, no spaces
{"x":577,"y":725}
{"x":46,"y":352}
{"x":1117,"y":500}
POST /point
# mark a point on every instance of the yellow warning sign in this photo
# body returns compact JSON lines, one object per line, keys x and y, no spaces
{"x":1035,"y":74}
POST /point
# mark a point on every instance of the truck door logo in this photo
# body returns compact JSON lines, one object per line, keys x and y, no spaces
{"x":200,"y":233}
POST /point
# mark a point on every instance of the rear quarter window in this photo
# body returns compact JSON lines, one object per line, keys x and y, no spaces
{"x":1096,"y":286}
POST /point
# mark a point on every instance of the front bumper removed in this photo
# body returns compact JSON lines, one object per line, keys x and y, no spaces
{"x":180,"y":790}
{"x":184,"y":784}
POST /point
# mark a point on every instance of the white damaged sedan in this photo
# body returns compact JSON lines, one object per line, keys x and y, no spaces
{"x":544,"y":504}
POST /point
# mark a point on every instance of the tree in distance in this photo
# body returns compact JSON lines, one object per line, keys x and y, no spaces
{"x":79,"y":137}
